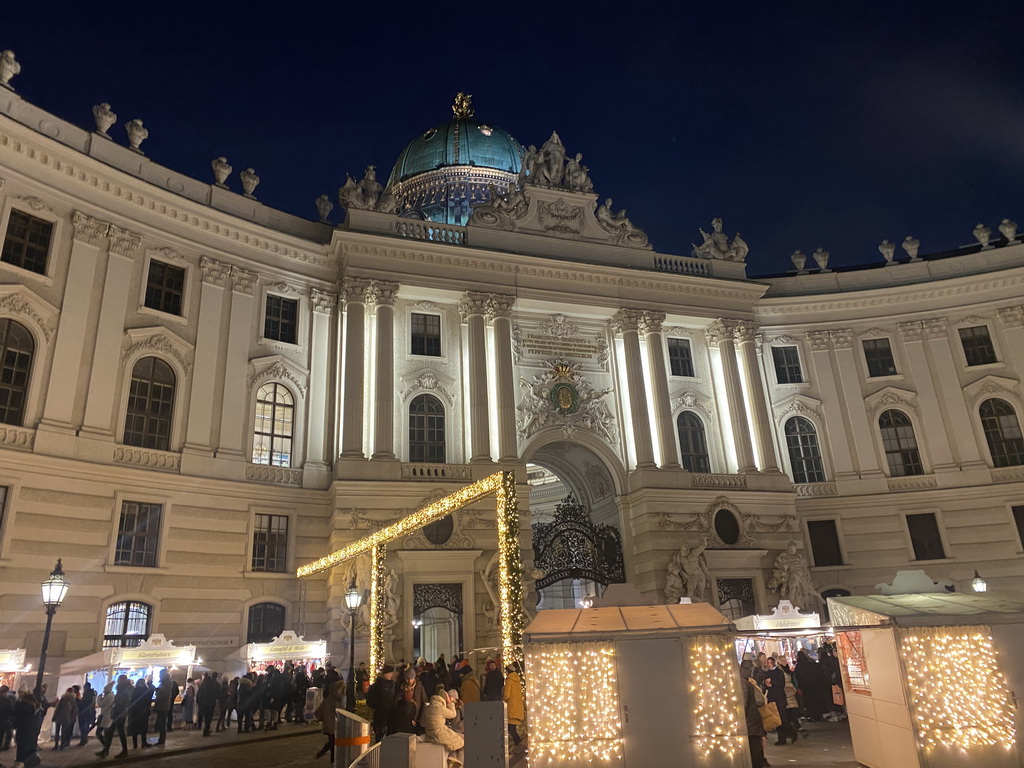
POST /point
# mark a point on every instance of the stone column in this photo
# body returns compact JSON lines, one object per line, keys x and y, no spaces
{"x":1012,"y":321}
{"x":931,"y":410}
{"x":321,"y":359}
{"x":99,"y":406}
{"x":355,"y":354}
{"x":860,"y":429}
{"x":832,"y":413}
{"x":473,"y":309}
{"x":499,"y":310}
{"x":746,"y":334}
{"x":650,"y":326}
{"x":720,"y":334}
{"x":945,"y":371}
{"x":383,"y":295}
{"x":236,"y":358}
{"x":626,"y":323}
{"x":199,"y":435}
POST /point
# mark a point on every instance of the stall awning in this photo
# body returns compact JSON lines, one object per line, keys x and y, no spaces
{"x":287,"y":647}
{"x":12,"y":660}
{"x":925,"y":610}
{"x":157,"y":651}
{"x":643,"y":619}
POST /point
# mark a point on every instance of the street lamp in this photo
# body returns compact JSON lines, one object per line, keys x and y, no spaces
{"x":979,"y":584}
{"x":54,"y":589}
{"x":353,"y":599}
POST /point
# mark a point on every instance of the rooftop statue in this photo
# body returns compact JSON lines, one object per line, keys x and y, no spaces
{"x":463,"y":107}
{"x":363,"y":195}
{"x":716,"y":245}
{"x":577,"y":176}
{"x":552,"y":169}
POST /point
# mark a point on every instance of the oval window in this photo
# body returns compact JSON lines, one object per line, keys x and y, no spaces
{"x":726,"y":526}
{"x":439,"y":531}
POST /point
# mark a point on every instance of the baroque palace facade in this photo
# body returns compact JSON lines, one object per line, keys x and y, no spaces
{"x":200,"y":394}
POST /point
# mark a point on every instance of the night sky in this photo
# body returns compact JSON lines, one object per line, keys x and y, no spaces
{"x":800,"y":124}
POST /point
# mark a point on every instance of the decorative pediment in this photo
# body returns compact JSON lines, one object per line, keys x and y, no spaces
{"x":157,"y":339}
{"x":891,"y":397}
{"x":428,"y":380}
{"x":991,"y":386}
{"x":19,"y":303}
{"x":277,"y":367}
{"x":798,"y":405}
{"x":696,"y":401}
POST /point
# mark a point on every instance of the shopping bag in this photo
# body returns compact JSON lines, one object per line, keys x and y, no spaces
{"x":770,"y":716}
{"x":837,"y":696}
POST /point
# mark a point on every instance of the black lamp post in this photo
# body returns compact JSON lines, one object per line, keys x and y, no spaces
{"x":54,"y":589}
{"x":353,"y":599}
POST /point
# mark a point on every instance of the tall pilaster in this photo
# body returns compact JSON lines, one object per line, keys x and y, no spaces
{"x":473,"y":309}
{"x":236,"y":363}
{"x":746,"y":341}
{"x":626,"y":323}
{"x":355,"y":353}
{"x":821,"y":364}
{"x":931,"y":410}
{"x":199,"y":435}
{"x":1012,"y":321}
{"x":499,"y":310}
{"x":958,"y":422}
{"x":383,"y":295}
{"x":651,"y":327}
{"x":860,"y":429}
{"x":720,"y":334}
{"x":321,"y":360}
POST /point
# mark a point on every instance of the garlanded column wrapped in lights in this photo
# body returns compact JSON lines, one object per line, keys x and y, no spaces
{"x":573,"y":696}
{"x":717,"y":706}
{"x":510,"y":568}
{"x":377,"y":572}
{"x":959,"y":698}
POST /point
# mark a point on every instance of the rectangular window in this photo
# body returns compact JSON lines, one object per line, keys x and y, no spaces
{"x":165,"y":285}
{"x":977,"y":345}
{"x":878,"y":355}
{"x":824,"y":542}
{"x":138,"y":534}
{"x":282,"y":320}
{"x":426,"y":334}
{"x":679,"y":357}
{"x":1018,"y":518}
{"x":787,"y":365}
{"x":3,"y":509}
{"x":27,"y":243}
{"x":924,"y":535}
{"x":270,"y":544}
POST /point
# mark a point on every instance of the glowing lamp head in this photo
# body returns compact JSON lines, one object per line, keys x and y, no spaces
{"x":353,"y":597}
{"x":55,"y":588}
{"x":586,"y":602}
{"x":979,"y":584}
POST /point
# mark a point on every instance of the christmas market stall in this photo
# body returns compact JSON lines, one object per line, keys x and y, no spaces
{"x":782,"y":633}
{"x":12,"y":667}
{"x":287,"y":648}
{"x":145,"y":660}
{"x":647,"y":685}
{"x":932,"y":680}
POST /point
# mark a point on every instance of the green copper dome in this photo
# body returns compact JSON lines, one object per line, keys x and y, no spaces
{"x":460,"y":141}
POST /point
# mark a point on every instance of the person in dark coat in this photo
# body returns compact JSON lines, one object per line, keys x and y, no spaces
{"x":775,"y":692}
{"x":86,"y":713}
{"x":810,"y":678}
{"x":118,"y":717}
{"x":494,"y":683}
{"x":410,"y":698}
{"x":163,"y":701}
{"x":245,"y":700}
{"x":752,"y":700}
{"x":206,"y":700}
{"x":381,"y":699}
{"x":64,"y":716}
{"x":27,"y":718}
{"x":7,"y":702}
{"x":138,"y":714}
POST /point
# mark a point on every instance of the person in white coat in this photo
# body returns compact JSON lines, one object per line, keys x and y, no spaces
{"x":438,"y":709}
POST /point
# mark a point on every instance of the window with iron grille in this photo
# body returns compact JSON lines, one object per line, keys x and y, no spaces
{"x":804,"y":451}
{"x":266,"y":621}
{"x":1002,"y":433}
{"x":878,"y":355}
{"x":736,"y":598}
{"x":16,"y":350}
{"x":127,"y":624}
{"x":165,"y":285}
{"x":977,"y":344}
{"x":281,"y":322}
{"x":426,"y":334}
{"x":900,"y":444}
{"x":693,"y":444}
{"x":27,"y":243}
{"x":270,"y":543}
{"x":147,"y":422}
{"x":925,"y":537}
{"x":824,"y":542}
{"x":787,"y":365}
{"x":138,"y":534}
{"x":272,"y":432}
{"x":426,"y":430}
{"x":680,"y":357}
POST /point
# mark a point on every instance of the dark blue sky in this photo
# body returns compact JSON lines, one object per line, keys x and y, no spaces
{"x":801,"y":124}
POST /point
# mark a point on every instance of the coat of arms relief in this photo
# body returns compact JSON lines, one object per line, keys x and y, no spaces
{"x":562,"y":397}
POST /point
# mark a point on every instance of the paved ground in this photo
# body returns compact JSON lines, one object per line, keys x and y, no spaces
{"x":827,"y":746}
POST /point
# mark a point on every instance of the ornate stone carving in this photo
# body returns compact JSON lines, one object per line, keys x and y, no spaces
{"x":559,"y":326}
{"x":890,"y":397}
{"x":243,"y":281}
{"x":792,"y":580}
{"x":623,"y":231}
{"x":1011,"y":317}
{"x":799,"y":259}
{"x":716,"y":245}
{"x":158,"y":342}
{"x":651,"y":322}
{"x":105,"y":117}
{"x":9,"y":67}
{"x":818,"y":340}
{"x":718,"y":331}
{"x":500,"y":305}
{"x":561,"y":397}
{"x":559,"y":216}
{"x":597,"y":480}
{"x":911,"y":245}
{"x":1008,"y":229}
{"x":888,"y":251}
{"x":17,"y":305}
{"x":214,"y":272}
{"x":284,"y":288}
{"x":935,"y":328}
{"x":429,"y":381}
{"x":384,"y":293}
{"x":88,"y":229}
{"x":799,"y":405}
{"x":982,"y":234}
{"x":166,"y":253}
{"x":693,"y":401}
{"x":577,"y":175}
{"x":910,"y":331}
{"x":123,"y":242}
{"x":35,"y":203}
{"x":137,"y":133}
{"x":821,"y":257}
{"x":627,"y":320}
{"x":249,"y":182}
{"x":221,"y":171}
{"x":354,"y":289}
{"x":688,"y":574}
{"x":363,"y":195}
{"x":745,"y":330}
{"x":459,"y":539}
{"x":473,"y":303}
{"x":324,"y":206}
{"x":323,"y":301}
{"x":501,"y":210}
{"x":842,"y":339}
{"x":278,"y":371}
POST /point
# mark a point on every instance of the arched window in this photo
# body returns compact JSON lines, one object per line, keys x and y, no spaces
{"x":272,"y":434}
{"x":1002,"y":431}
{"x":804,"y":451}
{"x":16,"y":348}
{"x":900,"y":444}
{"x":693,"y":445}
{"x":127,"y":624}
{"x":266,"y":621}
{"x":426,"y":430}
{"x":147,"y":423}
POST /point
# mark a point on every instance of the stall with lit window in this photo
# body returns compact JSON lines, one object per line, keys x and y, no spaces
{"x":932,"y":680}
{"x":783,"y":632}
{"x":146,"y":660}
{"x":287,"y":648}
{"x":12,"y":667}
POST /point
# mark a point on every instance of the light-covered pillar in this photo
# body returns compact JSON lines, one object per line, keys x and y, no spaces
{"x":199,"y":436}
{"x":821,"y":365}
{"x":848,"y":383}
{"x":473,"y":309}
{"x":626,"y":324}
{"x":499,"y":310}
{"x":746,"y":341}
{"x":958,"y":422}
{"x":383,"y":295}
{"x":651,"y":327}
{"x":931,"y":409}
{"x":720,"y":334}
{"x":320,"y":367}
{"x":355,"y":353}
{"x":236,"y":364}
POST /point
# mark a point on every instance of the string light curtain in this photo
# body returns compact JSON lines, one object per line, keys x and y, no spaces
{"x":573,"y":703}
{"x":716,"y":703}
{"x":959,"y":698}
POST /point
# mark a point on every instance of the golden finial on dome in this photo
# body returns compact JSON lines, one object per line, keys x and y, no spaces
{"x":462,"y":107}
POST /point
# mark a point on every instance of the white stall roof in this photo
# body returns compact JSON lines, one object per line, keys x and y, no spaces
{"x":626,"y":619}
{"x":933,"y":609}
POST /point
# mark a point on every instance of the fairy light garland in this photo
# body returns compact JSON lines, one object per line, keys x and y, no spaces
{"x":959,"y":698}
{"x":377,"y":557}
{"x":573,"y":698}
{"x":716,"y":700}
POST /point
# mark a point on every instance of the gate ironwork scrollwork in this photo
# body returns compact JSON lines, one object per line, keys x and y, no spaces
{"x":427,"y":596}
{"x":572,"y":546}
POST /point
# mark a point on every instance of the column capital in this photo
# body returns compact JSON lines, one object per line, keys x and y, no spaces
{"x":87,"y":229}
{"x":745,"y":330}
{"x":500,"y":305}
{"x":1011,"y":317}
{"x":354,"y":289}
{"x":244,"y":281}
{"x":381,"y":293}
{"x":651,"y":322}
{"x":214,"y":272}
{"x":474,"y":303}
{"x":936,"y":328}
{"x":123,"y":242}
{"x":323,"y":302}
{"x":818,"y":340}
{"x":910,"y":331}
{"x":719,"y":331}
{"x":627,"y":320}
{"x":842,"y":338}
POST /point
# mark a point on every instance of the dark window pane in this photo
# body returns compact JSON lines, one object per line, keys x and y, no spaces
{"x":977,"y":344}
{"x":165,"y":286}
{"x":680,"y":357}
{"x":804,"y":452}
{"x":900,"y":444}
{"x":266,"y":621}
{"x":1018,"y":519}
{"x":727,"y":526}
{"x":1002,"y":432}
{"x":878,"y":355}
{"x":924,"y":535}
{"x":150,"y":405}
{"x":27,"y":242}
{"x":693,"y":446}
{"x":426,"y":430}
{"x":16,"y":350}
{"x":824,"y":542}
{"x":138,"y":534}
{"x":282,"y":319}
{"x":270,"y":543}
{"x":787,"y":365}
{"x":127,"y":624}
{"x":426,"y":334}
{"x":272,"y":431}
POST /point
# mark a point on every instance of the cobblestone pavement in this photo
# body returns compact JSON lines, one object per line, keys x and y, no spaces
{"x":827,"y":745}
